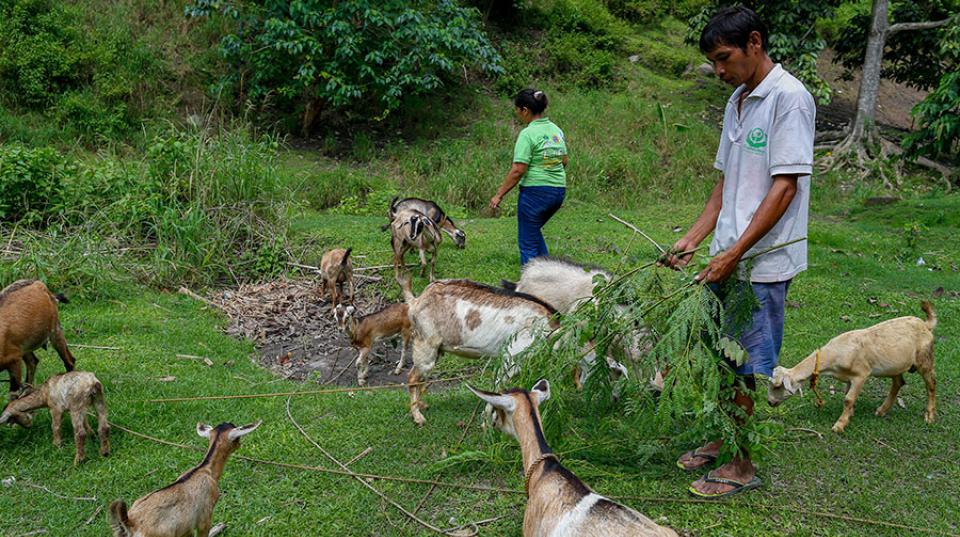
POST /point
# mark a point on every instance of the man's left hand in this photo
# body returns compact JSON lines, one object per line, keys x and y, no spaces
{"x":720,"y":267}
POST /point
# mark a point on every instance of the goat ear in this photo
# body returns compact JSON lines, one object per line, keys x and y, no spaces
{"x":243,"y":430}
{"x":204,"y":430}
{"x":541,"y":390}
{"x":503,"y":402}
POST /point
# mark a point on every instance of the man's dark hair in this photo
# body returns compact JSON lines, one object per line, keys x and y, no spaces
{"x":732,"y":26}
{"x":534,"y":100}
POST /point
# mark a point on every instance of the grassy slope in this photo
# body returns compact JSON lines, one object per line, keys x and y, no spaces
{"x":862,"y":473}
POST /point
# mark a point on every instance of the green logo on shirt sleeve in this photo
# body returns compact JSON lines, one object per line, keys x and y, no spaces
{"x":757,"y":138}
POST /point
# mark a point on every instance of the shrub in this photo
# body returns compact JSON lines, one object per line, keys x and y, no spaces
{"x":30,"y":184}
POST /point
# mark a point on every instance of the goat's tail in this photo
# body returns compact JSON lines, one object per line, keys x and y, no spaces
{"x":119,"y":521}
{"x":931,"y":315}
{"x":61,"y":298}
{"x":346,"y":258}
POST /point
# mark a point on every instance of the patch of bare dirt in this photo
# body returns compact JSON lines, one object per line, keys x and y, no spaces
{"x":894,"y":102}
{"x":296,"y":336}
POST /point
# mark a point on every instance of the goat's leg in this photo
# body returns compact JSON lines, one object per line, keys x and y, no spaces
{"x":895,"y":384}
{"x":849,"y":400}
{"x":424,"y":359}
{"x":56,"y":419}
{"x":13,"y":360}
{"x":60,"y":344}
{"x":433,"y":263}
{"x":403,"y":349}
{"x":423,"y":264}
{"x":103,"y":425}
{"x":79,"y":419}
{"x":352,"y":288}
{"x":31,"y":361}
{"x":363,"y":366}
{"x":931,"y":381}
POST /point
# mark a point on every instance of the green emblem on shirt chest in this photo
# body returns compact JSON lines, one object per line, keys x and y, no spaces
{"x":757,"y":138}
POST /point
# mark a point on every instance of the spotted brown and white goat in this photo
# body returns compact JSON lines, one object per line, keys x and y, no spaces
{"x":185,"y":506}
{"x":366,"y":330}
{"x":469,"y":319}
{"x":336,"y":270}
{"x":28,"y":320}
{"x":412,"y":229}
{"x":559,"y":504}
{"x":431,"y":209}
{"x":72,"y":392}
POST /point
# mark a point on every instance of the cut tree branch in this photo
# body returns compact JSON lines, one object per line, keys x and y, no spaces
{"x":908,"y":26}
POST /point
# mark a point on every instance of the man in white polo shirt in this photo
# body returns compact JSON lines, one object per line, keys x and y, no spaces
{"x":761,"y":200}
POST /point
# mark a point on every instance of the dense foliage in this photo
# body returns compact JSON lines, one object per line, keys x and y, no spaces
{"x":86,"y":79}
{"x":793,"y":36}
{"x":363,"y":56}
{"x":938,"y":115}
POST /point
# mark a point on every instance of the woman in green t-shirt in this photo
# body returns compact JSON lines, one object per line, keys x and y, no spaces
{"x":539,"y":165}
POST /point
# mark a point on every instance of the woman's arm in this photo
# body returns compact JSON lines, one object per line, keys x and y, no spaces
{"x":513,"y":177}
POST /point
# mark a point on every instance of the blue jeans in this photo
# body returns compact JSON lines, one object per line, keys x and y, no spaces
{"x":535,"y":206}
{"x":762,"y":335}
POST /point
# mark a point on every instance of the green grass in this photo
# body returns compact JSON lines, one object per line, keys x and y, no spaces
{"x":896,"y":469}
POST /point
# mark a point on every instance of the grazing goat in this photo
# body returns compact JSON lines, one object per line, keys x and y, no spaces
{"x":468,"y":319}
{"x":412,"y":229}
{"x":431,"y":209}
{"x":887,"y":349}
{"x":28,"y":320}
{"x":73,"y":392}
{"x":366,"y":330}
{"x":558,"y":503}
{"x":187,"y":505}
{"x":335,"y":271}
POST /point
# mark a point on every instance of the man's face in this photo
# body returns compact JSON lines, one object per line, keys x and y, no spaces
{"x":734,"y":65}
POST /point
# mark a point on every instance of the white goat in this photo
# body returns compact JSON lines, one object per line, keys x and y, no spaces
{"x":187,"y":505}
{"x":72,"y":392}
{"x":366,"y":330}
{"x":469,"y":319}
{"x":558,"y":503}
{"x":412,"y":229}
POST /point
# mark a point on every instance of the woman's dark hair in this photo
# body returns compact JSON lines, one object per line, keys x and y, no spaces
{"x":531,"y":99}
{"x":732,"y":26}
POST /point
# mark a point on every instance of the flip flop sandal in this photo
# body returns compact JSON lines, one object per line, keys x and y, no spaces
{"x":710,"y":459}
{"x":740,"y":486}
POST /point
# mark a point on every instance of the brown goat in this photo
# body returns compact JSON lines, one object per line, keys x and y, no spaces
{"x":186,"y":505}
{"x":73,"y":392}
{"x":366,"y":330}
{"x":558,"y":503}
{"x":28,"y":320}
{"x":335,"y":271}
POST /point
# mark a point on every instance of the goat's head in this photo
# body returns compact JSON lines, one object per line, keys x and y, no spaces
{"x":15,"y":417}
{"x":344,"y":315}
{"x":458,"y":236}
{"x":227,"y":433}
{"x":782,"y":386}
{"x":505,"y":405}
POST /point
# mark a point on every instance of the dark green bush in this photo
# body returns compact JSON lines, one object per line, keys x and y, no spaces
{"x":30,"y":184}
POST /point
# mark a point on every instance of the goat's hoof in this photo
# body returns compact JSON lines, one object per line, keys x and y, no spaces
{"x":880,"y":412}
{"x":837,"y":428}
{"x":419,"y":419}
{"x":398,"y":370}
{"x":361,"y":382}
{"x":930,"y":417}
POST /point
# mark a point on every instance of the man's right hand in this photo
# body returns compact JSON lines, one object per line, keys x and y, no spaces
{"x":670,"y":259}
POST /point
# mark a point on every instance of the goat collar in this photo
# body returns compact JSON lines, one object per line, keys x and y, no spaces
{"x":814,"y":378}
{"x":533,"y":466}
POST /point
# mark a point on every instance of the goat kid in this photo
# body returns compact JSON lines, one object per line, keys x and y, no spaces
{"x":73,"y":392}
{"x":431,"y":209}
{"x":887,"y":349}
{"x":366,"y":330}
{"x":412,"y":229}
{"x":336,"y":269}
{"x":187,"y":504}
{"x":558,"y":503}
{"x":468,"y":319}
{"x":28,"y":320}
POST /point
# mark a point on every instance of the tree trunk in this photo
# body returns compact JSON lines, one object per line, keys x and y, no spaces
{"x":865,"y":120}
